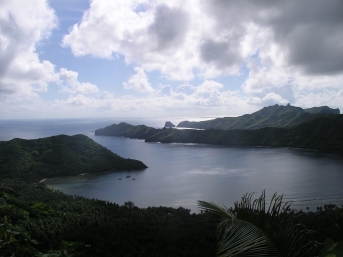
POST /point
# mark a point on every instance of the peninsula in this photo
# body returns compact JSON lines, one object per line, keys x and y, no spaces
{"x":59,"y":156}
{"x":319,"y":131}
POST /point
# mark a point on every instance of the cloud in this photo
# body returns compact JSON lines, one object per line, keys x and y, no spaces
{"x":312,"y":38}
{"x":169,"y":27}
{"x":268,"y":99}
{"x":139,"y":82}
{"x":332,"y":98}
{"x":73,"y":85}
{"x":264,"y":78}
{"x":165,"y":91}
{"x":206,"y":99}
{"x":186,"y":89}
{"x":294,"y":44}
{"x":291,"y":51}
{"x":172,"y":37}
{"x":21,"y":29}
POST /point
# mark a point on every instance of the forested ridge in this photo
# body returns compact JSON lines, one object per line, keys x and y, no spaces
{"x":107,"y":229}
{"x":104,"y":228}
{"x":322,"y":133}
{"x":58,"y":156}
{"x":276,"y":116}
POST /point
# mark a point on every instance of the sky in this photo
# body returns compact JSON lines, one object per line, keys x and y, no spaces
{"x":158,"y":58}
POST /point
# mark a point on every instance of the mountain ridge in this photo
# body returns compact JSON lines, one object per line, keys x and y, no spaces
{"x":272,"y":116}
{"x":322,"y":133}
{"x":60,"y":155}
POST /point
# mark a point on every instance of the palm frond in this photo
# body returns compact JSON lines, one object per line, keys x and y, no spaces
{"x":251,"y":229}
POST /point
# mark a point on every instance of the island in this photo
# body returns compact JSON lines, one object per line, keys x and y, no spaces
{"x":60,"y":155}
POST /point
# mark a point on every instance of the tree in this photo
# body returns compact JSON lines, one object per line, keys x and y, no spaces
{"x":16,"y":241}
{"x":250,"y":229}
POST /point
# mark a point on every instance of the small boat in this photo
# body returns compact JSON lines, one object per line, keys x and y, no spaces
{"x":128,"y":176}
{"x":119,"y":178}
{"x":133,"y":179}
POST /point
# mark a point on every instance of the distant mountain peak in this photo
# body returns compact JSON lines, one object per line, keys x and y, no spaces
{"x":323,"y":109}
{"x":271,"y":116}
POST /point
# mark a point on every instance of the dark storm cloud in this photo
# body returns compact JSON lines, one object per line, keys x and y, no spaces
{"x":310,"y":32}
{"x":169,"y":27}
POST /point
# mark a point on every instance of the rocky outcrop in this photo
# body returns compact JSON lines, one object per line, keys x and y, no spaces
{"x":168,"y":124}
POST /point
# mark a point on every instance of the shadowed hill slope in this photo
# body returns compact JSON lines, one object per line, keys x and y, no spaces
{"x":322,"y":133}
{"x":58,"y":156}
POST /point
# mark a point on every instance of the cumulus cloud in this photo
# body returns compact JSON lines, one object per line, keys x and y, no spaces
{"x":186,"y":89}
{"x":169,"y":27}
{"x":73,"y":85}
{"x":268,"y":99}
{"x":21,"y":28}
{"x":165,"y":90}
{"x":23,"y":76}
{"x":264,"y":78}
{"x":139,"y":82}
{"x":165,"y":36}
{"x":291,"y":50}
{"x":332,"y":98}
{"x":296,"y":44}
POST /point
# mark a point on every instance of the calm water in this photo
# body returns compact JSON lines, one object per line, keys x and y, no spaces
{"x":181,"y":174}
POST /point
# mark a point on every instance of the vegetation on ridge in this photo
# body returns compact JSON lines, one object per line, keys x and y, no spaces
{"x":107,"y":229}
{"x":104,"y":228}
{"x":58,"y":156}
{"x":322,"y":133}
{"x":273,"y":116}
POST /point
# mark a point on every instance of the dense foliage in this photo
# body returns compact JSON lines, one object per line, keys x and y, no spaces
{"x":254,"y":228}
{"x":322,"y":133}
{"x":104,"y":228}
{"x":58,"y":156}
{"x":272,"y":116}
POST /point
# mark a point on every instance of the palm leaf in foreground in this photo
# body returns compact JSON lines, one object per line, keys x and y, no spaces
{"x":252,"y":230}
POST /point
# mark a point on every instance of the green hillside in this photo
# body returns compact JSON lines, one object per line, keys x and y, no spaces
{"x":272,"y":116}
{"x":103,"y":228}
{"x":321,"y":133}
{"x":107,"y":229}
{"x":58,"y":156}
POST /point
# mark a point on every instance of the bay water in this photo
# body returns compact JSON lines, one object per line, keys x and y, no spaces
{"x":181,"y":174}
